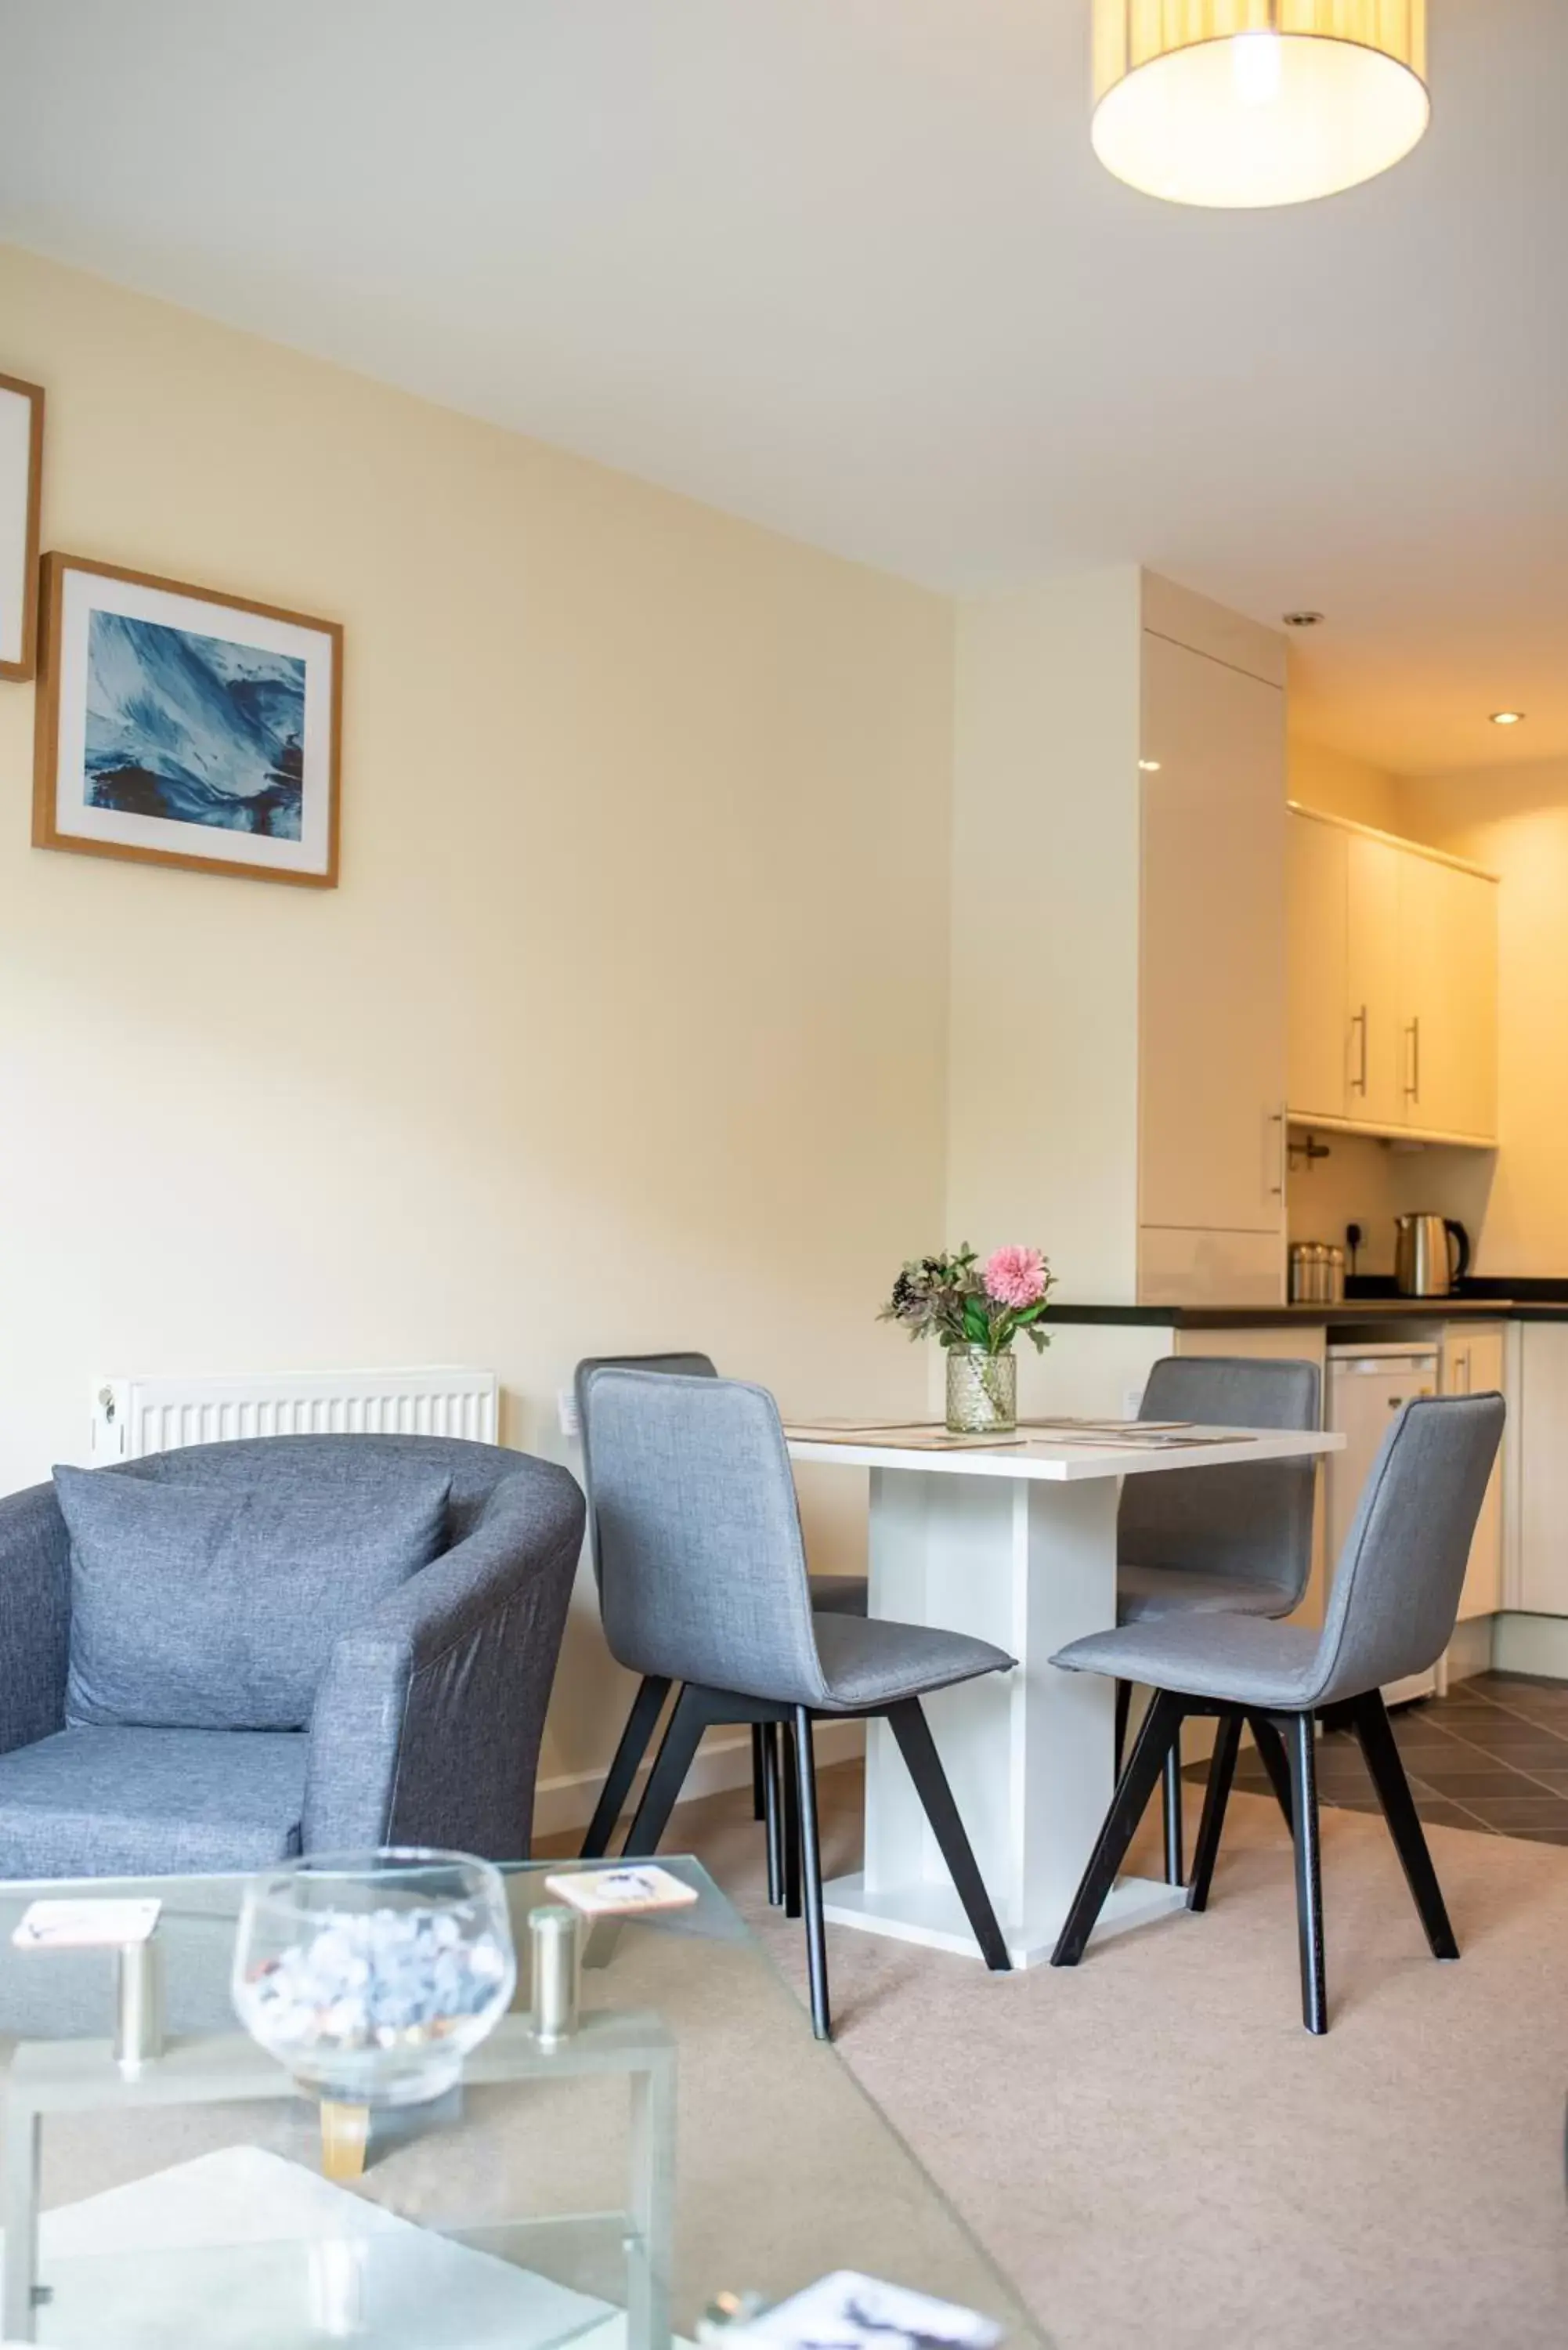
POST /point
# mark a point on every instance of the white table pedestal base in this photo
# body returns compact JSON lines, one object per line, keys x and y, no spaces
{"x":1028,"y":1565}
{"x":933,"y":1915}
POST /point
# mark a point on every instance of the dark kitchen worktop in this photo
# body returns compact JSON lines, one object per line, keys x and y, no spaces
{"x":1368,"y":1299}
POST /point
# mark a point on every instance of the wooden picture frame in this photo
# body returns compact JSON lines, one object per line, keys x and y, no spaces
{"x":238,"y":770}
{"x":21,"y":503}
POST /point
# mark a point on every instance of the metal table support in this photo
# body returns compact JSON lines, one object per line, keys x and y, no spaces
{"x":76,"y":2076}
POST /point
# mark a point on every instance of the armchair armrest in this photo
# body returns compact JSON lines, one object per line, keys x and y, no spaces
{"x":427,"y":1723}
{"x":35,"y":1617}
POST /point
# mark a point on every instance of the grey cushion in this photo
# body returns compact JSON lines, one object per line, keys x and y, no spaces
{"x":1147,"y":1592}
{"x":839,"y":1595}
{"x":877,"y":1663}
{"x":322,"y":1464}
{"x":1244,"y":1658}
{"x":216,"y":1608}
{"x":136,"y":1802}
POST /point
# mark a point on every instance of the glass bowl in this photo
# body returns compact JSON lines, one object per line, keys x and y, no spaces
{"x":371,"y":1974}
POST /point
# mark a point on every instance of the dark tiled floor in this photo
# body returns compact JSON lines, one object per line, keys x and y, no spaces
{"x":1492,"y":1755}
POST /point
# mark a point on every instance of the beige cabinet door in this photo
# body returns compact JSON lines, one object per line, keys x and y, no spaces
{"x":1375,"y":1082}
{"x":1323,"y":1052}
{"x":1472,"y":1364}
{"x":1448,"y":947}
{"x":1542,"y":1409}
{"x":1212,"y":961}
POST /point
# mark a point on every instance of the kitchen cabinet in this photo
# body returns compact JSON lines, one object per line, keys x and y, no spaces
{"x":1447,"y":952}
{"x":1374,"y":1014}
{"x":1317,"y":921}
{"x":1212,"y":979}
{"x":1117,"y":1065}
{"x":1472,"y":1363}
{"x":1538,"y":1578}
{"x":1392,"y":1017}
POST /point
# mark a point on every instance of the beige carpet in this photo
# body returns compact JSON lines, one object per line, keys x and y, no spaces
{"x":1158,"y":2154}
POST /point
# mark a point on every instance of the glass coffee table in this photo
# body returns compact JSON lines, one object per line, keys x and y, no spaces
{"x":528,"y":2212}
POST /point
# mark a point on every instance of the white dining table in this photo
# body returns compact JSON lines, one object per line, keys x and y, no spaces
{"x":1015,"y":1543}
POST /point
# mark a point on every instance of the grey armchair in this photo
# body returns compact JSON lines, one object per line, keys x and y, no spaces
{"x":426,"y":1721}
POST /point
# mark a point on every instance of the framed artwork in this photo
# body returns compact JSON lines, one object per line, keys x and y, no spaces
{"x":21,"y":489}
{"x":184,"y":727}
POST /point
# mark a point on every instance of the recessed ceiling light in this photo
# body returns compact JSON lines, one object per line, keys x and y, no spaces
{"x":1506,"y":717}
{"x":1302,"y":620}
{"x":1150,"y":766}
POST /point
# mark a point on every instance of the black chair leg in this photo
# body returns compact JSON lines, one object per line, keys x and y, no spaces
{"x":759,"y":1791}
{"x":1309,"y":1872}
{"x":811,"y":1862}
{"x":773,"y":1812}
{"x":1271,"y":1747}
{"x":1388,"y":1773}
{"x":1175,"y":1863}
{"x":791,"y":1823}
{"x":1216,"y":1795}
{"x":909,"y":1725}
{"x":1123,"y":1707}
{"x":640,"y":1727}
{"x":1155,"y":1734}
{"x":677,"y":1750}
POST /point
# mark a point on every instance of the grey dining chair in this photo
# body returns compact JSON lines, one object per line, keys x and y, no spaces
{"x":1198,"y":1541}
{"x":1395,"y":1595}
{"x":704,"y":1582}
{"x":840,"y":1595}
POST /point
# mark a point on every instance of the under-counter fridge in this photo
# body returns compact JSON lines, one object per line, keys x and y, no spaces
{"x":1367,"y":1387}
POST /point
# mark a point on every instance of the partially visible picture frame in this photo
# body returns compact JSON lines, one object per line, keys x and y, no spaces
{"x":181,"y":726}
{"x":21,"y":502}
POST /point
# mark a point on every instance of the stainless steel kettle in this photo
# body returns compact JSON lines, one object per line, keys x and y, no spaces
{"x":1431,"y":1255}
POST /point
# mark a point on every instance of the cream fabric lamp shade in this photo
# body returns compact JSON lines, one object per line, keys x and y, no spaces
{"x":1247,"y":102}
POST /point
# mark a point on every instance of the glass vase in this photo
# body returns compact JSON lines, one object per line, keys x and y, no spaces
{"x":371,"y":1975}
{"x":983,"y":1392}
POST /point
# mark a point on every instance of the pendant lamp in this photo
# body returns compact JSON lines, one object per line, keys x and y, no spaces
{"x":1239,"y":103}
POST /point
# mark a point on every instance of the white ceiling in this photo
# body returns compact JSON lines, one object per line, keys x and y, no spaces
{"x":849,"y":267}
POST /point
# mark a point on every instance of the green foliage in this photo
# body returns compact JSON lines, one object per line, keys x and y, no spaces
{"x":945,"y":1297}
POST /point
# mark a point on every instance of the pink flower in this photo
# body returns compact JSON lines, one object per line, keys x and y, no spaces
{"x":1015,"y":1277}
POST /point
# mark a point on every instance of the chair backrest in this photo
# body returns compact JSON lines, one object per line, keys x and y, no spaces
{"x":679,"y":1367}
{"x":702,"y":1568}
{"x":1398,"y":1584}
{"x":1251,"y":1525}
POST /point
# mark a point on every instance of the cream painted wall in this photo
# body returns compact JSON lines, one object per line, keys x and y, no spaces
{"x":1340,"y":785}
{"x":628,"y":1024}
{"x":1514,"y":819}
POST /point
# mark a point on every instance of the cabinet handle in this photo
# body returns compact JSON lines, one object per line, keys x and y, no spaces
{"x":1358,"y":1029}
{"x":1413,"y":1081}
{"x":1282,"y":1153}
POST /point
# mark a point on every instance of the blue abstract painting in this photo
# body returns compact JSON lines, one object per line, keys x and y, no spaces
{"x":194,"y":729}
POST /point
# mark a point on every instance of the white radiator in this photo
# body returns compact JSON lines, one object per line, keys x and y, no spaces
{"x":132,"y":1416}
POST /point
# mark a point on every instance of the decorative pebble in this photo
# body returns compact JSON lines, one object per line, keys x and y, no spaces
{"x":376,"y":1979}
